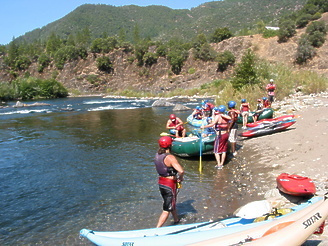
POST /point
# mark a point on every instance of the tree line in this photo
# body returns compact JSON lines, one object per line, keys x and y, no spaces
{"x":56,"y":51}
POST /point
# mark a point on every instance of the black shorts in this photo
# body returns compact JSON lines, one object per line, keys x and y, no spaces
{"x":169,"y":197}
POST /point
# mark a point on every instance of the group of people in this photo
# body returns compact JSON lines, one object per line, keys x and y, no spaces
{"x":225,"y":126}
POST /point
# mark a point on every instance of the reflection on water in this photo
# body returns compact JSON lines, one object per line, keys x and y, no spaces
{"x":62,"y":171}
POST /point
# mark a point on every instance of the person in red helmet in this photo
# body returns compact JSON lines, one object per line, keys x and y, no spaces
{"x":170,"y":175}
{"x":175,"y":125}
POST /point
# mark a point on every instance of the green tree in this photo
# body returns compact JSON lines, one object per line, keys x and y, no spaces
{"x":176,"y":58}
{"x":303,"y":20}
{"x":287,"y":29}
{"x":64,"y":54}
{"x":150,"y":59}
{"x":53,"y":44}
{"x":220,"y":34}
{"x":43,"y":61}
{"x":305,"y":50}
{"x":245,"y":72}
{"x":205,"y":53}
{"x":317,"y":39}
{"x":139,"y":52}
{"x":319,"y":26}
{"x":104,"y":64}
{"x":225,"y":59}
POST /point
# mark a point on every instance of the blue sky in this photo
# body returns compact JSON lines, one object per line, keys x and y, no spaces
{"x":20,"y":16}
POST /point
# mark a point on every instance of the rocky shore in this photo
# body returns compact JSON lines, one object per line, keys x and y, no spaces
{"x":300,"y":150}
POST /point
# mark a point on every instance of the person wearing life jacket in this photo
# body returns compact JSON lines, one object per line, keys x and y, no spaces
{"x":259,"y":110}
{"x":197,"y":113}
{"x":270,"y":88}
{"x":233,"y":126}
{"x":208,"y":131}
{"x":221,"y":126}
{"x":266,"y":103}
{"x":207,"y":108}
{"x":175,"y":125}
{"x":244,"y":110}
{"x":170,"y":175}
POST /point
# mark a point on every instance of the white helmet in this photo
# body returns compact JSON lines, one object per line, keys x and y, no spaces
{"x":271,"y":80}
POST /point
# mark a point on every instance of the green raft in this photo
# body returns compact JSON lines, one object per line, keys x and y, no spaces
{"x":266,"y":114}
{"x":190,"y":146}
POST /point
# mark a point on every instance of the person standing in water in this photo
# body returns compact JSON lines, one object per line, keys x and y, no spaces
{"x":233,"y":126}
{"x":220,"y":123}
{"x":170,"y":175}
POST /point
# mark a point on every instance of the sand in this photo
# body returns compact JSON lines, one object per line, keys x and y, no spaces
{"x":300,"y":150}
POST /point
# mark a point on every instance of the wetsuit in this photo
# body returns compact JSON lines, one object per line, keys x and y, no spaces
{"x":167,"y":186}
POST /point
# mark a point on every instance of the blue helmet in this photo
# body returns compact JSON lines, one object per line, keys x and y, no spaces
{"x":198,"y":108}
{"x":264,"y":98}
{"x":243,"y":100}
{"x":216,"y":109}
{"x":231,"y":104}
{"x":222,"y":108}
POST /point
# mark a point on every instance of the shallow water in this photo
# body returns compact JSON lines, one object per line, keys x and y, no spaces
{"x":88,"y":163}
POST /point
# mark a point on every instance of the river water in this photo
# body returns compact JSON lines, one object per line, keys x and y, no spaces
{"x":88,"y":163}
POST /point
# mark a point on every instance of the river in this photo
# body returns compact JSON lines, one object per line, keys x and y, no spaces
{"x":87,"y":162}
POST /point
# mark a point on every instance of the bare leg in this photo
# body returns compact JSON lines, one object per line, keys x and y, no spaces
{"x":218,"y":159}
{"x":223,"y":156}
{"x":175,"y":215}
{"x":162,"y":218}
{"x":233,"y":147}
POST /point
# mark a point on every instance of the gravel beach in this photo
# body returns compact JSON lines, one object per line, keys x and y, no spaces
{"x":299,"y":150}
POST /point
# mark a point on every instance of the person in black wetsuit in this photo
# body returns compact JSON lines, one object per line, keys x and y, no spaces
{"x":170,"y":175}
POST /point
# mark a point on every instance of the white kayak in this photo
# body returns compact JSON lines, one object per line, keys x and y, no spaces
{"x":291,"y":230}
{"x":187,"y":234}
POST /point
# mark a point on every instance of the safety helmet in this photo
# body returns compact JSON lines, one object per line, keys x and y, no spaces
{"x":231,"y":104}
{"x":259,"y":100}
{"x":222,"y":108}
{"x":198,"y":107}
{"x":264,"y":98}
{"x":165,"y":142}
{"x":172,"y":116}
{"x":271,"y":80}
{"x":216,"y":109}
{"x":243,"y":100}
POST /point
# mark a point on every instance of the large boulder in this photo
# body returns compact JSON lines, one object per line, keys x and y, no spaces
{"x":180,"y":107}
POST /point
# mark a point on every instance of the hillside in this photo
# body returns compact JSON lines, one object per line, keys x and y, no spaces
{"x":84,"y":76}
{"x":163,"y":23}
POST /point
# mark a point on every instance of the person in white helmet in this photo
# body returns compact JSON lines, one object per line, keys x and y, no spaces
{"x":270,"y":88}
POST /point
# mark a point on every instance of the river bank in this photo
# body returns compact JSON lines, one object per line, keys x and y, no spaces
{"x":300,"y":150}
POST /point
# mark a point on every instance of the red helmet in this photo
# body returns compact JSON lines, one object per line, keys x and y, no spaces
{"x":165,"y":142}
{"x":172,"y":116}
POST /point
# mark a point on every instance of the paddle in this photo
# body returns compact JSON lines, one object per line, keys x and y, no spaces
{"x":200,"y":152}
{"x":195,"y":227}
{"x":249,"y":211}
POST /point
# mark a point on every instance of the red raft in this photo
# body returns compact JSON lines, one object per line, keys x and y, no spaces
{"x":280,"y":118}
{"x":295,"y":185}
{"x":267,"y":128}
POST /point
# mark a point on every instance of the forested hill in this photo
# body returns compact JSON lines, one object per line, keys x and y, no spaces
{"x":163,"y":23}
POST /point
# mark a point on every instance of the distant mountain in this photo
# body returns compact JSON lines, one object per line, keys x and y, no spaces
{"x":163,"y":23}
